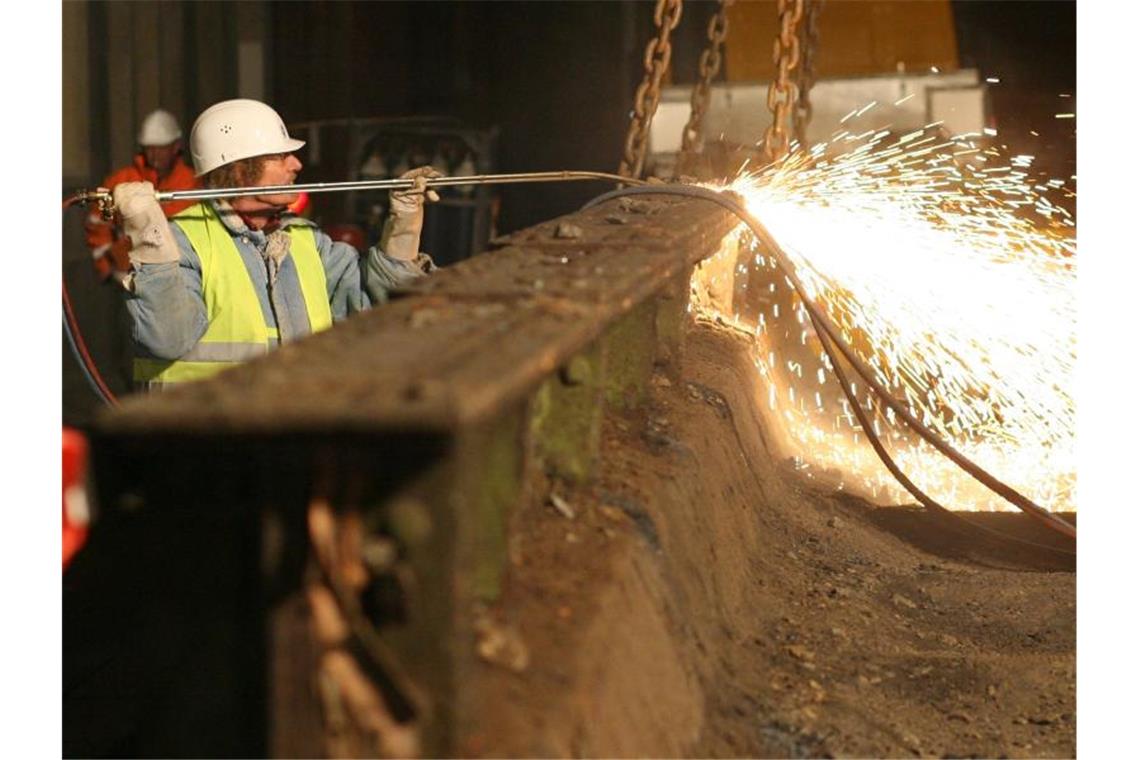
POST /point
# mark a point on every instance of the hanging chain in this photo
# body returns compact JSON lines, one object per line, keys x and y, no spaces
{"x":658,"y":54}
{"x":809,"y":41}
{"x":782,"y":91}
{"x":709,"y":68}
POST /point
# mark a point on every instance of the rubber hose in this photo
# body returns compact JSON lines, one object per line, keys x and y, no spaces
{"x":76,"y":343}
{"x":82,"y":356}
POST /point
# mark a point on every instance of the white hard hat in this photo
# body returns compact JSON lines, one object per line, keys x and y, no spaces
{"x":235,"y":129}
{"x":159,"y":128}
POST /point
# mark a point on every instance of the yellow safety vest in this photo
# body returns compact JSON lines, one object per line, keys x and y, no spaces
{"x":236,"y":330}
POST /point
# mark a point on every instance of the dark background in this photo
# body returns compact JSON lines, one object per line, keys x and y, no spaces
{"x":556,"y":78}
{"x":1032,"y":48}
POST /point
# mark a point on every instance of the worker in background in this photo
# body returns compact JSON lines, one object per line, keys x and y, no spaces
{"x":227,"y":281}
{"x":159,"y":162}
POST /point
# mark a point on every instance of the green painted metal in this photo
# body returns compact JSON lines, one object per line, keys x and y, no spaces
{"x":630,"y":346}
{"x":488,"y":481}
{"x":566,"y":416}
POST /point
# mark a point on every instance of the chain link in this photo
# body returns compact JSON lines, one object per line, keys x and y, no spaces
{"x":809,"y":41}
{"x":709,"y":67}
{"x":782,"y":93}
{"x":366,"y":697}
{"x":658,"y":54}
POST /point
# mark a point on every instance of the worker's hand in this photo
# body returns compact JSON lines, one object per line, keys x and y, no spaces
{"x":411,"y":201}
{"x":145,"y":224}
{"x":401,"y":236}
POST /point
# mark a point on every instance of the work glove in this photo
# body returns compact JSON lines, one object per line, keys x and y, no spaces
{"x":401,"y":236}
{"x":145,"y":224}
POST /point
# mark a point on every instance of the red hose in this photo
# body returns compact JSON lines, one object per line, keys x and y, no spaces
{"x":80,"y":345}
{"x":88,"y":362}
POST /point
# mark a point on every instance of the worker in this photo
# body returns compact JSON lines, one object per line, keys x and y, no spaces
{"x":228,"y":280}
{"x":158,"y":161}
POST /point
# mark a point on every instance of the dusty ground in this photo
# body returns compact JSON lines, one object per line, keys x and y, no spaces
{"x":704,"y":601}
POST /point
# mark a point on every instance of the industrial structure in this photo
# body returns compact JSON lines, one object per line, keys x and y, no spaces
{"x":546,"y":501}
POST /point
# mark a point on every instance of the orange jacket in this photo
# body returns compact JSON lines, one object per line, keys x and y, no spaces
{"x":108,"y":245}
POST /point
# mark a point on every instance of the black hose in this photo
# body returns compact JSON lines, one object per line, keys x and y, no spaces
{"x":91,"y":382}
{"x":82,"y":356}
{"x":824,"y":327}
{"x":897,"y":472}
{"x":75,"y":337}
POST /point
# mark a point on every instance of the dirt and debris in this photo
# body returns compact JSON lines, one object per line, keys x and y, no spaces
{"x":717,"y":604}
{"x":637,"y":206}
{"x":500,"y":644}
{"x":567,"y":231}
{"x":562,"y":506}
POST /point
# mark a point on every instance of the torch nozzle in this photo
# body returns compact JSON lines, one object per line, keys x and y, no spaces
{"x":100,"y":196}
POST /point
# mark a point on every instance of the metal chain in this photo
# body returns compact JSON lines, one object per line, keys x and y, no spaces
{"x":709,"y":68}
{"x":782,"y":91}
{"x":658,"y":54}
{"x":367,"y":699}
{"x":809,"y":41}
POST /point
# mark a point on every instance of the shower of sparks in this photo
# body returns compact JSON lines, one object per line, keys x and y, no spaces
{"x":951,"y":273}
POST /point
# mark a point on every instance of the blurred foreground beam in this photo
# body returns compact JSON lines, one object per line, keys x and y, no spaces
{"x":428,"y":419}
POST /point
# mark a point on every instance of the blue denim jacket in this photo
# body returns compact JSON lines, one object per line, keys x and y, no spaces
{"x":168,"y":312}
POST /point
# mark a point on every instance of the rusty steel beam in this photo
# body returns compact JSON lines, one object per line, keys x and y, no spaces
{"x":431,"y":419}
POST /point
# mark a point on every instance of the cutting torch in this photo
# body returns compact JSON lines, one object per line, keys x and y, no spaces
{"x":101,"y":196}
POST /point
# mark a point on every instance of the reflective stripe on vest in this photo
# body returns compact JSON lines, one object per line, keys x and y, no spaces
{"x":236,"y":330}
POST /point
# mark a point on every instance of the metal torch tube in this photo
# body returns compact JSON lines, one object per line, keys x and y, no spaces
{"x":390,"y":184}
